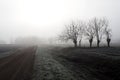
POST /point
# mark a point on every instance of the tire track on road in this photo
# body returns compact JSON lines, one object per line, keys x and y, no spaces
{"x":18,"y":65}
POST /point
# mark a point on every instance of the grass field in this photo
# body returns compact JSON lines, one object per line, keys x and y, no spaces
{"x":90,"y":64}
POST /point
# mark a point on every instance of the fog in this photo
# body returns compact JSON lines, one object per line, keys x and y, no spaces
{"x":46,"y":18}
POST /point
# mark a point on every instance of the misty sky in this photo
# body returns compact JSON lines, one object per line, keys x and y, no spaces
{"x":46,"y":18}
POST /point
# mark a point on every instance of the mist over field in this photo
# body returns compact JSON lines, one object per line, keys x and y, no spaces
{"x":46,"y":19}
{"x":59,"y":40}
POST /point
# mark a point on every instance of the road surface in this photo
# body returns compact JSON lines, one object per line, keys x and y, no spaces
{"x":19,"y":65}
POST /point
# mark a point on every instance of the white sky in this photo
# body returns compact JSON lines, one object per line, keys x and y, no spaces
{"x":46,"y":18}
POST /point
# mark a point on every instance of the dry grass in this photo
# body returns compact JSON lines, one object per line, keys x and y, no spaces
{"x":91,"y":64}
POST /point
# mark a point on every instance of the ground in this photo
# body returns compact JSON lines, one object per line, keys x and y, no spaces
{"x":90,"y":64}
{"x":18,"y":65}
{"x":59,"y":63}
{"x":47,"y":68}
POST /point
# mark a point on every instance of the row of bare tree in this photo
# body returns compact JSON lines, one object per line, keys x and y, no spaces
{"x":94,"y":28}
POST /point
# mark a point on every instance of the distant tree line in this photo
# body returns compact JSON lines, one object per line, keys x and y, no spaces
{"x":95,"y":28}
{"x":30,"y":40}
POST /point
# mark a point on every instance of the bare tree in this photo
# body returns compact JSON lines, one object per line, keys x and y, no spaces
{"x":81,"y":30}
{"x":108,"y":35}
{"x":70,"y":33}
{"x":99,"y":25}
{"x":90,"y":33}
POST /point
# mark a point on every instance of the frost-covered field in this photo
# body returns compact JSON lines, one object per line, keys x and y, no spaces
{"x":90,"y":64}
{"x":47,"y":68}
{"x":58,"y":63}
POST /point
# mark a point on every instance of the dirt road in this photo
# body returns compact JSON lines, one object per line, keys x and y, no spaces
{"x":18,"y":66}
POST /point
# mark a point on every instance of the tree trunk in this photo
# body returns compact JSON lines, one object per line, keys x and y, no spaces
{"x":90,"y":41}
{"x":108,"y":42}
{"x":75,"y":43}
{"x":98,"y":42}
{"x":79,"y":43}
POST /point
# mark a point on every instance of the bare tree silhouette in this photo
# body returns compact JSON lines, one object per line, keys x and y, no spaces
{"x":81,"y":31}
{"x":98,"y":25}
{"x":95,"y":28}
{"x":108,"y":35}
{"x":90,"y":33}
{"x":70,"y":33}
